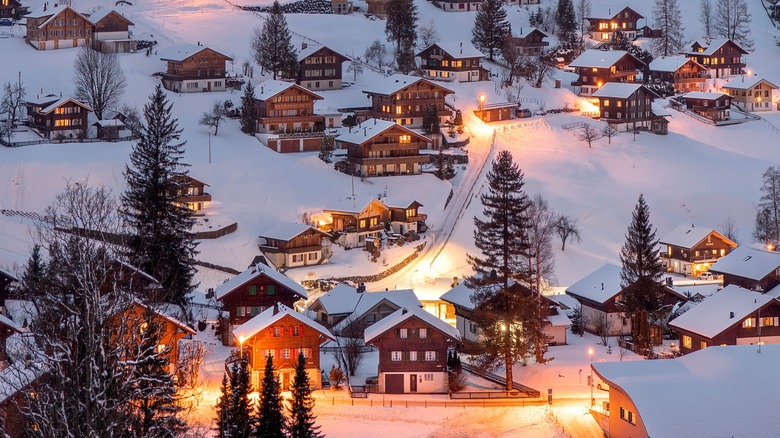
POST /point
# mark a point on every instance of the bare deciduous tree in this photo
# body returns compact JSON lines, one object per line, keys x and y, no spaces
{"x":609,"y":132}
{"x":427,"y":34}
{"x":733,"y":21}
{"x":11,"y":107}
{"x":583,"y":10}
{"x":355,"y":68}
{"x":729,"y":229}
{"x":99,"y":79}
{"x":377,"y":53}
{"x":566,"y":227}
{"x":706,"y":16}
{"x":589,"y":134}
{"x":215,"y":116}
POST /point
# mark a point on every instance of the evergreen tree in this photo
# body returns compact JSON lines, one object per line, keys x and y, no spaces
{"x":491,"y":27}
{"x":223,"y":409}
{"x":440,"y":165}
{"x":767,"y":226}
{"x":458,"y":120}
{"x":668,"y":20}
{"x":404,"y":57}
{"x":301,"y":424}
{"x":431,"y":123}
{"x":248,"y":109}
{"x":567,"y":23}
{"x":161,"y":244}
{"x":642,"y":270}
{"x":34,"y":275}
{"x":270,"y":412}
{"x":401,"y":24}
{"x":327,"y":147}
{"x":240,"y":413}
{"x":449,"y":170}
{"x":502,"y":238}
{"x":271,"y":45}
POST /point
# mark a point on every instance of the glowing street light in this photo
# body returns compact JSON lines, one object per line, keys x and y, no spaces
{"x":241,"y":340}
{"x":592,"y":400}
{"x":481,"y":106}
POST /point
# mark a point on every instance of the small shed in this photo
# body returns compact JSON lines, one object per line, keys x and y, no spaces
{"x":659,"y":125}
{"x":109,"y":129}
{"x":497,"y":111}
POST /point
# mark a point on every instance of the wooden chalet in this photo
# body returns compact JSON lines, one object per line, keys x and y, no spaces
{"x":7,"y":281}
{"x":19,"y":380}
{"x":194,"y":69}
{"x":597,"y":67}
{"x":319,"y":68}
{"x":691,"y":250}
{"x":380,"y":147}
{"x":683,"y":73}
{"x":402,"y":99}
{"x":498,"y":111}
{"x":752,"y":94}
{"x":288,"y":245}
{"x":531,"y":42}
{"x":731,"y":316}
{"x":377,"y":7}
{"x":599,"y":294}
{"x":413,"y":347}
{"x":132,"y":280}
{"x":286,"y":110}
{"x":721,"y":57}
{"x":112,"y":32}
{"x":12,"y":9}
{"x":342,"y":7}
{"x":750,"y":267}
{"x":459,"y":5}
{"x":191,"y":194}
{"x":711,"y":106}
{"x":7,"y":328}
{"x":253,"y":291}
{"x":109,"y":129}
{"x":624,"y":105}
{"x":58,"y":27}
{"x":282,"y":333}
{"x":450,"y":61}
{"x":58,"y":117}
{"x":605,"y":20}
{"x":404,"y":215}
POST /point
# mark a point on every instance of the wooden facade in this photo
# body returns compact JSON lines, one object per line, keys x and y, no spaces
{"x":449,"y":62}
{"x":694,"y":259}
{"x":56,"y":117}
{"x":497,"y":111}
{"x":626,"y":105}
{"x":192,"y":69}
{"x":602,"y":24}
{"x":287,"y":108}
{"x":684,"y":76}
{"x":7,"y":281}
{"x":341,"y":7}
{"x":753,"y":94}
{"x":459,"y":5}
{"x":191,"y":194}
{"x":377,"y":7}
{"x":390,"y":149}
{"x":7,"y":328}
{"x":356,"y":224}
{"x":112,"y":33}
{"x":320,"y":68}
{"x":531,"y":43}
{"x":596,"y":67}
{"x":402,"y":99}
{"x":712,"y":106}
{"x":305,"y":246}
{"x":58,"y":27}
{"x":12,"y":9}
{"x":721,"y":57}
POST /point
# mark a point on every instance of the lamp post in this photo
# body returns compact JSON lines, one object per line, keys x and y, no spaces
{"x":481,"y":106}
{"x":241,"y":340}
{"x":592,"y":400}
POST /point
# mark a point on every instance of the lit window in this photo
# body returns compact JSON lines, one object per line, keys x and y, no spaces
{"x":277,"y":332}
{"x":769,"y":320}
{"x":161,"y":348}
{"x":406,"y":138}
{"x":142,"y":328}
{"x":423,"y":333}
{"x":403,"y":333}
{"x":270,"y":353}
{"x":703,"y":345}
{"x":749,"y":323}
{"x":430,"y":356}
{"x":395,"y":356}
{"x":413,"y":355}
{"x":687,"y":342}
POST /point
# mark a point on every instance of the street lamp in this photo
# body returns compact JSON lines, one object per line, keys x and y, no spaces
{"x":241,"y":340}
{"x":481,"y":106}
{"x":592,"y":400}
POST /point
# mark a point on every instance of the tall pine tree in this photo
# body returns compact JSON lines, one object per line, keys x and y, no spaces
{"x":502,"y":238}
{"x":301,"y":424}
{"x":240,"y":413}
{"x":223,"y":409}
{"x":161,"y":244}
{"x":567,"y":23}
{"x":642,"y":270}
{"x":491,"y":27}
{"x":248,"y":109}
{"x":668,"y":20}
{"x":767,"y":226}
{"x":271,"y":45}
{"x":270,"y":412}
{"x":401,"y":25}
{"x":34,"y":275}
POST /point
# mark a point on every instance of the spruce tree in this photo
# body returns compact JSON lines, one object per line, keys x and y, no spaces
{"x":431,"y":123}
{"x":439,"y":165}
{"x":240,"y":412}
{"x":449,"y":169}
{"x":161,"y":244}
{"x":404,"y":57}
{"x":567,"y":22}
{"x":642,"y":270}
{"x":668,"y":20}
{"x":327,"y":147}
{"x":301,"y":409}
{"x":767,"y":226}
{"x":248,"y":109}
{"x":34,"y":275}
{"x":491,"y":27}
{"x":223,"y":409}
{"x":401,"y":24}
{"x":502,"y":238}
{"x":270,"y":412}
{"x":272,"y":46}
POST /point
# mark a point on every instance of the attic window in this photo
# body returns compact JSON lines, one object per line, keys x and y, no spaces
{"x":687,"y":231}
{"x":748,"y":258}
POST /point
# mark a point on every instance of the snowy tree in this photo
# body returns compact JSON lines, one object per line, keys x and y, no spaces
{"x":11,"y":107}
{"x":100,"y":81}
{"x":668,"y":20}
{"x":491,"y":27}
{"x":161,"y":244}
{"x":609,"y":132}
{"x":248,"y":109}
{"x":541,"y":267}
{"x":377,"y":53}
{"x":567,"y":228}
{"x":733,"y":21}
{"x":222,"y":409}
{"x":33,"y":279}
{"x":427,"y":34}
{"x":355,"y":68}
{"x":444,"y":169}
{"x":301,"y":409}
{"x":502,"y":239}
{"x":401,"y":24}
{"x":404,"y":57}
{"x":215,"y":116}
{"x":583,"y":11}
{"x":271,"y":421}
{"x":642,"y":270}
{"x":239,"y":416}
{"x":566,"y":21}
{"x":431,"y":123}
{"x":706,"y":16}
{"x":272,"y":47}
{"x":327,"y":147}
{"x":132,"y":119}
{"x":767,"y":226}
{"x":516,"y":63}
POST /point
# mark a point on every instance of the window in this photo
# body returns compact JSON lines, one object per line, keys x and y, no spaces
{"x":403,"y":333}
{"x":271,"y":289}
{"x":297,"y":258}
{"x":254,"y":310}
{"x":769,"y":320}
{"x":286,"y":353}
{"x":606,"y":102}
{"x":749,"y":323}
{"x":405,"y":138}
{"x":217,"y":83}
{"x":413,"y":355}
{"x":627,"y":415}
{"x":253,"y":290}
{"x":395,"y":356}
{"x":304,"y":352}
{"x":240,"y":311}
{"x":161,"y":348}
{"x":313,"y":256}
{"x":428,"y":377}
{"x":472,"y":327}
{"x":687,"y":342}
{"x":703,"y":345}
{"x":269,"y":353}
{"x":277,"y":332}
{"x":423,"y":333}
{"x":430,"y":356}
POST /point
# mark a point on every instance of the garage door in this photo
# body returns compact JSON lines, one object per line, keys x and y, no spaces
{"x":394,"y":383}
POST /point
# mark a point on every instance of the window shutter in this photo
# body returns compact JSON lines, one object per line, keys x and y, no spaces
{"x":302,"y":326}
{"x":397,"y":333}
{"x":271,"y":331}
{"x":775,"y":322}
{"x":760,"y":322}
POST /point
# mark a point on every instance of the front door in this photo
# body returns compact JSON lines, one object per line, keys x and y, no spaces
{"x":412,"y":382}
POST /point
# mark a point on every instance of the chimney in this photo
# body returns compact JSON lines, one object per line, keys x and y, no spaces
{"x":461,"y":48}
{"x":350,"y":129}
{"x":276,"y":308}
{"x":731,"y":315}
{"x":454,"y":281}
{"x":602,"y":286}
{"x":303,"y":45}
{"x":374,"y":121}
{"x":403,"y":311}
{"x":361,"y":288}
{"x":261,"y":89}
{"x":365,"y":131}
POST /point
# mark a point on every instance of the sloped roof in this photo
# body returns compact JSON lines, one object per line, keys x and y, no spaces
{"x":525,"y":34}
{"x":254,"y":272}
{"x":399,"y":202}
{"x":670,"y":63}
{"x":601,"y":58}
{"x":714,"y":44}
{"x":714,"y":392}
{"x":310,"y":50}
{"x":63,"y":101}
{"x":340,"y":300}
{"x":748,"y":262}
{"x":742,"y":83}
{"x":368,"y":300}
{"x":52,"y":12}
{"x":16,"y":377}
{"x":378,"y":328}
{"x":559,"y":320}
{"x":703,"y":95}
{"x":287,"y":231}
{"x":391,"y":84}
{"x":4,"y":320}
{"x":600,"y":285}
{"x":345,"y":205}
{"x":182,"y":52}
{"x":460,"y":295}
{"x":688,"y":235}
{"x":8,"y":274}
{"x":457,"y":49}
{"x":270,"y":88}
{"x":102,"y":13}
{"x":372,"y":128}
{"x":713,"y":314}
{"x":620,"y":90}
{"x":607,"y":12}
{"x":270,"y":316}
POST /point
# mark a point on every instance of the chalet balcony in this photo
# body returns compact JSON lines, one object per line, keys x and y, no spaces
{"x":389,"y":160}
{"x":692,"y":259}
{"x":276,"y":249}
{"x":191,"y":77}
{"x":381,"y":147}
{"x":204,"y":197}
{"x":622,"y":74}
{"x":417,"y":218}
{"x":689,"y":80}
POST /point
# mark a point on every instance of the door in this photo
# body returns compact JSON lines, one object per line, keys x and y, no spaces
{"x":394,"y":383}
{"x":412,"y":382}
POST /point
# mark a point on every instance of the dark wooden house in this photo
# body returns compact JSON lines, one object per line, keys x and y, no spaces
{"x":750,"y":267}
{"x":58,"y":117}
{"x":459,"y":5}
{"x":532,"y":42}
{"x":377,"y":7}
{"x":721,"y":57}
{"x":684,"y":74}
{"x":289,"y":245}
{"x":603,"y":21}
{"x":624,"y":105}
{"x":58,"y":27}
{"x":193,"y":69}
{"x":112,"y":32}
{"x":12,"y":9}
{"x":691,"y":250}
{"x":380,"y":147}
{"x":7,"y":281}
{"x":191,"y":194}
{"x":253,"y":291}
{"x":319,"y":68}
{"x":712,"y":106}
{"x":597,"y":67}
{"x":287,"y":110}
{"x":404,"y":215}
{"x":413,"y":347}
{"x":402,"y":99}
{"x":449,"y":61}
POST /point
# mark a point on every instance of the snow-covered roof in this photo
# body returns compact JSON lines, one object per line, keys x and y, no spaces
{"x":52,"y":11}
{"x":286,"y":231}
{"x":378,"y":328}
{"x":102,"y":13}
{"x":182,"y":52}
{"x":748,"y":262}
{"x":8,"y":274}
{"x":565,"y":301}
{"x":670,"y":63}
{"x":63,"y":101}
{"x":460,"y":296}
{"x":312,"y":49}
{"x":16,"y":377}
{"x":607,"y":12}
{"x":600,"y":285}
{"x":525,"y":34}
{"x":270,"y":316}
{"x":432,"y":289}
{"x":742,"y":83}
{"x":703,"y":95}
{"x":370,"y":129}
{"x":4,"y":320}
{"x":340,"y":300}
{"x":559,"y":320}
{"x":688,"y":235}
{"x":253,"y":272}
{"x":107,"y":123}
{"x":44,"y":99}
{"x":367,"y":301}
{"x":714,"y":392}
{"x":391,"y":84}
{"x":620,"y":90}
{"x":713,"y":315}
{"x":458,"y":49}
{"x":600,"y":58}
{"x":713,"y":45}
{"x":271,"y":87}
{"x":399,"y":202}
